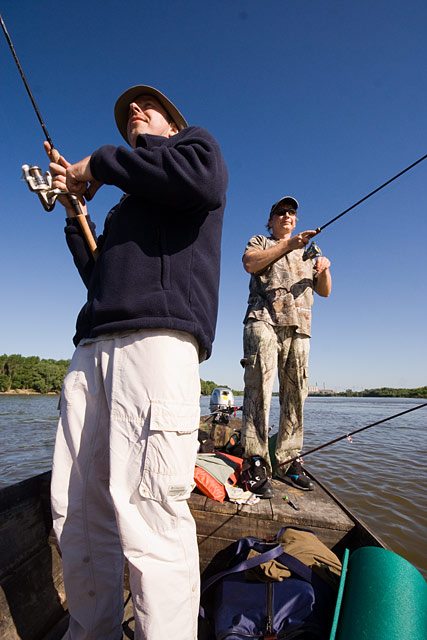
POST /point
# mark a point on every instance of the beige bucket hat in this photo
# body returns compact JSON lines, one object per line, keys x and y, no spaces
{"x":121,"y":109}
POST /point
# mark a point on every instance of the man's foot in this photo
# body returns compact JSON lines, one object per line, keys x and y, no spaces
{"x":255,"y":479}
{"x":298,"y":477}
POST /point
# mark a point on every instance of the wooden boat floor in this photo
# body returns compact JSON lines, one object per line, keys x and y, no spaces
{"x":220,"y":523}
{"x":31,"y":564}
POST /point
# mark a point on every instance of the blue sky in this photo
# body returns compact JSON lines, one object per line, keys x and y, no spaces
{"x":321,"y":100}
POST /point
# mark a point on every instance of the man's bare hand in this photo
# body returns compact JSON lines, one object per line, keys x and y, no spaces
{"x":300,"y":240}
{"x":322,"y":263}
{"x":78,"y":176}
{"x":323,"y":285}
{"x":92,"y":189}
{"x":58,"y":171}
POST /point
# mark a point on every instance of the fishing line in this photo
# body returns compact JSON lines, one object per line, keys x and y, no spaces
{"x":347,"y":435}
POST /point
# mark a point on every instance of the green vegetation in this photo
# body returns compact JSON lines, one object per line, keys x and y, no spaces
{"x":32,"y":374}
{"x":386,"y":392}
{"x":383,"y":392}
{"x":207,"y":386}
{"x":45,"y":376}
{"x":19,"y":373}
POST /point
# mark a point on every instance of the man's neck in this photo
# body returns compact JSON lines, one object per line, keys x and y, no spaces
{"x":284,"y":236}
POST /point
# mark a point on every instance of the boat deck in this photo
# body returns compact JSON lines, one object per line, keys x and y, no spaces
{"x":31,"y":563}
{"x":219,"y":524}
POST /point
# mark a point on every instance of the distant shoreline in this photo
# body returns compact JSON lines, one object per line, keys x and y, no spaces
{"x":27,"y":392}
{"x":367,"y":393}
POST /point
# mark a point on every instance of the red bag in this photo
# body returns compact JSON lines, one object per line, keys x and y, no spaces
{"x":212,"y":487}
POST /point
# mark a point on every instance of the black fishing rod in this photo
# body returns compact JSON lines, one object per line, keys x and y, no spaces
{"x":42,"y":183}
{"x":55,"y":155}
{"x":313,"y":250}
{"x":347,"y":435}
{"x":319,"y":229}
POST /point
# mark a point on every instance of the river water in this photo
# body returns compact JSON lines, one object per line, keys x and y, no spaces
{"x":381,"y":475}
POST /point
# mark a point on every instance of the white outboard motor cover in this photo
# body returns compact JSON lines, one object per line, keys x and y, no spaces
{"x":221,"y":398}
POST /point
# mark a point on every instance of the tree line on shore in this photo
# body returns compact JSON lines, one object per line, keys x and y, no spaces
{"x":18,"y":373}
{"x":207,"y":386}
{"x":31,"y":373}
{"x":385,"y":392}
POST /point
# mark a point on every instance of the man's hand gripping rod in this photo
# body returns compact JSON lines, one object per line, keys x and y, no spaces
{"x":42,"y":184}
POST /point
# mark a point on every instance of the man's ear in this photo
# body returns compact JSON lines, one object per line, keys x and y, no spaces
{"x":173,"y":129}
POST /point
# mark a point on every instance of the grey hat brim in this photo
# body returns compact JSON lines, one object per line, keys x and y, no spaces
{"x":290,"y":199}
{"x":121,"y":108}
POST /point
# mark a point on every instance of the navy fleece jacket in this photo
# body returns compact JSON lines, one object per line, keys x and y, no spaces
{"x":159,"y":258}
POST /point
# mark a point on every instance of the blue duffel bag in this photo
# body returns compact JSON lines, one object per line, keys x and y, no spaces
{"x":237,"y":608}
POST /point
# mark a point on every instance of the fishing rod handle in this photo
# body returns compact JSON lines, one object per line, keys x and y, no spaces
{"x":54,"y":155}
{"x":81,"y":217}
{"x":84,"y":225}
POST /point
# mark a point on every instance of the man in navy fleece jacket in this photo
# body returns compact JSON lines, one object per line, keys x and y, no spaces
{"x":127,"y":436}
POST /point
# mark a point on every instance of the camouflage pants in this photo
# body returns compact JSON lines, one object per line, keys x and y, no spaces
{"x":268,"y":349}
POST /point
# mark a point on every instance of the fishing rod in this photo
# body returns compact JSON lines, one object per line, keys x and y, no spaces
{"x":347,"y":435}
{"x":313,"y":250}
{"x":39,"y":183}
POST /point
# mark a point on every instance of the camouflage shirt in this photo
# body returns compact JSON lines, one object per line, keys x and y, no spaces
{"x":282,"y":294}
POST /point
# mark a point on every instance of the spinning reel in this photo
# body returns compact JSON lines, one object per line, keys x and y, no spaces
{"x":311,"y":252}
{"x":41,"y":184}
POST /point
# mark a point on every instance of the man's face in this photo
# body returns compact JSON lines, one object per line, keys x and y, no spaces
{"x":146,"y":115}
{"x":283,"y":220}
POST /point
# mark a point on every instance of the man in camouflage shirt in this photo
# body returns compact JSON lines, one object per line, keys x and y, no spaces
{"x":277,"y":336}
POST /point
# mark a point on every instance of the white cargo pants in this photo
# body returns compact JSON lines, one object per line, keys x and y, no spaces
{"x":122,"y":472}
